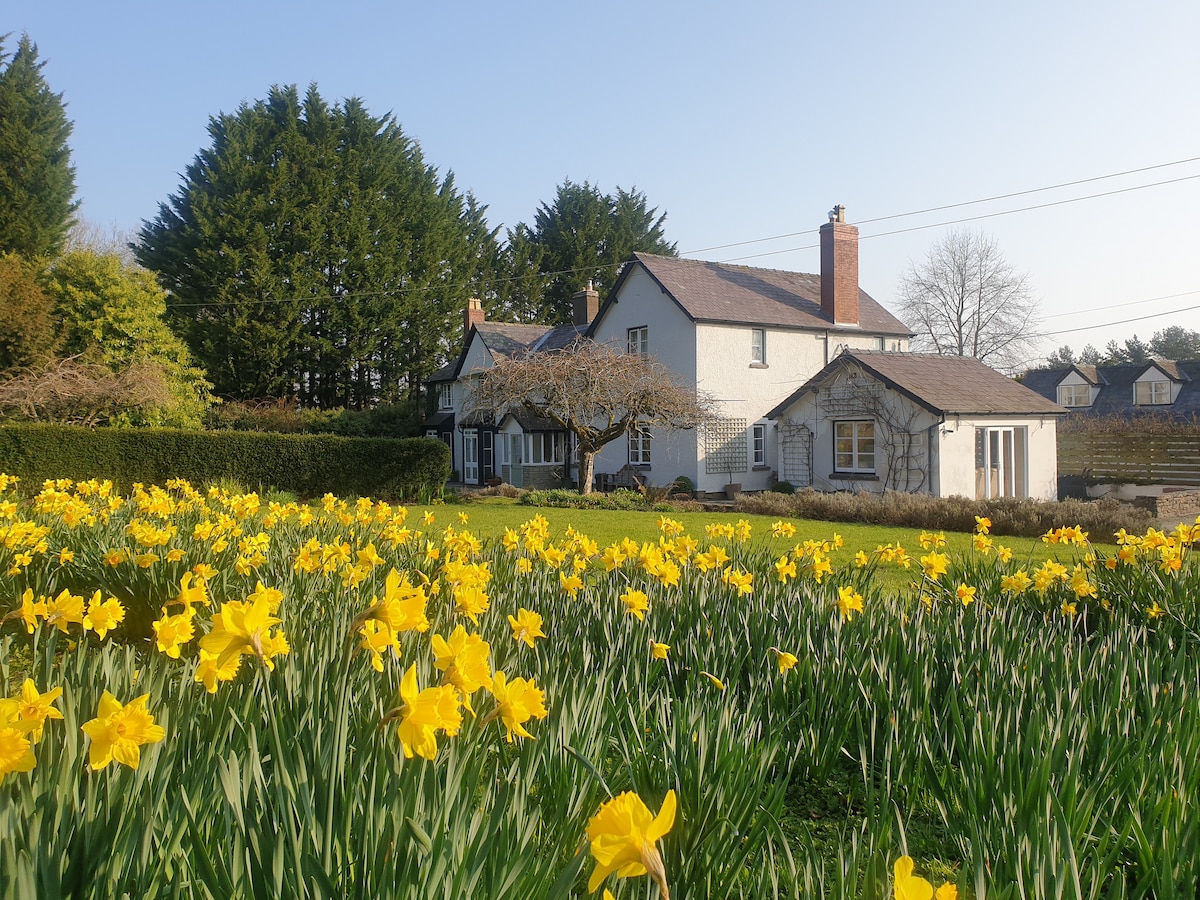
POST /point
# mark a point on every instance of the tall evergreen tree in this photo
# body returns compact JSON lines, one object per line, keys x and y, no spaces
{"x":312,"y":253}
{"x":37,"y":180}
{"x":583,"y":236}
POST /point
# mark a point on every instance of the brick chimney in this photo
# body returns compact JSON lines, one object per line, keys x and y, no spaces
{"x":473,"y":315}
{"x":839,"y":269}
{"x":584,"y":305}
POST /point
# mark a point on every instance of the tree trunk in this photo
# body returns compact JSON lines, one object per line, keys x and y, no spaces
{"x":587,"y":470}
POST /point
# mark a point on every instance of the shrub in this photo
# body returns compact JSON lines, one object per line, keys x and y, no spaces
{"x":1009,"y":516}
{"x":308,"y":465}
{"x":618,"y":499}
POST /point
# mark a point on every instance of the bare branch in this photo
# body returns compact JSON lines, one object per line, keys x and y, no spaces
{"x":72,"y":392}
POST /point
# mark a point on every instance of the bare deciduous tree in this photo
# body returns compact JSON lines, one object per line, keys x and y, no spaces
{"x":965,"y":299}
{"x":72,"y":392}
{"x":594,"y":391}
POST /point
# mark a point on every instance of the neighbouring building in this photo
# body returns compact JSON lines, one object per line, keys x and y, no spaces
{"x":1161,"y":387}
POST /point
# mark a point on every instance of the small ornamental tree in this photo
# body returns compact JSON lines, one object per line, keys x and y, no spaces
{"x":595,"y":391}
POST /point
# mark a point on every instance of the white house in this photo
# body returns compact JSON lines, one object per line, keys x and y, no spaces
{"x":920,"y":423}
{"x":748,"y":337}
{"x":517,"y":449}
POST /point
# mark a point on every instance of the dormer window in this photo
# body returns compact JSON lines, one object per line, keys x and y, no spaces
{"x":1151,"y":393}
{"x":1074,"y":395}
{"x":445,"y":399}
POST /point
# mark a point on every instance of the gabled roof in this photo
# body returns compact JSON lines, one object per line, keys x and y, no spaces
{"x":719,"y":292}
{"x":1170,"y":368}
{"x":946,"y":385}
{"x":505,"y":339}
{"x":1115,"y":397}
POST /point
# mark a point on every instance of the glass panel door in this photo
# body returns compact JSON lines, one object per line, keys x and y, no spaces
{"x":471,"y":456}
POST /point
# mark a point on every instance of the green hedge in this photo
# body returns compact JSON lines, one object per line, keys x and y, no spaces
{"x":306,"y":464}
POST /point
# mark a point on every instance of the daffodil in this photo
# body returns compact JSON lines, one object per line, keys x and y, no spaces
{"x":623,"y":837}
{"x":119,"y":731}
{"x":526,"y":626}
{"x":377,"y":638}
{"x":965,"y":594}
{"x":786,"y":660}
{"x":244,"y":628}
{"x":65,"y":609}
{"x":517,"y":702}
{"x":659,"y":650}
{"x":31,"y":709}
{"x":906,"y":885}
{"x":636,"y":603}
{"x":16,"y":750}
{"x":934,"y":565}
{"x":849,"y":602}
{"x":424,"y":713}
{"x":171,"y":632}
{"x":465,"y":660}
{"x":103,"y":615}
{"x":209,"y":671}
{"x":714,"y":680}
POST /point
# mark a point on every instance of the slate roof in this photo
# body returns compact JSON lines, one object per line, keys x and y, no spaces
{"x":719,"y":292}
{"x":949,"y":385}
{"x":1115,"y":397}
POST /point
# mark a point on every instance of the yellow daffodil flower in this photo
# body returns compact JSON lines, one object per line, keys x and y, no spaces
{"x":623,"y":836}
{"x":119,"y":731}
{"x":636,"y":603}
{"x":526,"y":626}
{"x":517,"y":702}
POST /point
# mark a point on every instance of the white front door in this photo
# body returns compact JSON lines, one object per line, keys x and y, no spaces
{"x":471,"y":456}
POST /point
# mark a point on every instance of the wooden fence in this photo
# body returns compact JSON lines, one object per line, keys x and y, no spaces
{"x":1132,"y":457}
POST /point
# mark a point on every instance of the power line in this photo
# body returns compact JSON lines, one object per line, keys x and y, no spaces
{"x":1127,"y":303}
{"x":919,"y":212}
{"x":1006,"y":212}
{"x":1159,"y":315}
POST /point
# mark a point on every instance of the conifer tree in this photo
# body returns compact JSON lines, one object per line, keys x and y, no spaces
{"x":311,"y":253}
{"x":37,"y":180}
{"x":583,"y":236}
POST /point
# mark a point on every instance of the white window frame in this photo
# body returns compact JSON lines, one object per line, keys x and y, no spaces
{"x":758,"y":444}
{"x":1151,"y":393}
{"x":445,"y":396}
{"x":758,"y":346}
{"x":855,"y":460}
{"x":639,"y":446}
{"x":637,"y":340}
{"x":1074,"y":395}
{"x":544,"y":448}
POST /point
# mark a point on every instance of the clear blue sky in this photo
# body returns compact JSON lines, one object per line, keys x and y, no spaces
{"x":741,"y":121}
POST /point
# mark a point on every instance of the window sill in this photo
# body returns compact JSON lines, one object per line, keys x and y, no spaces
{"x":761,"y":469}
{"x":853,"y":476}
{"x":759,"y":366}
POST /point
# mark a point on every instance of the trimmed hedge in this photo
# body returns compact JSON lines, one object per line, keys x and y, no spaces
{"x":305,"y":464}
